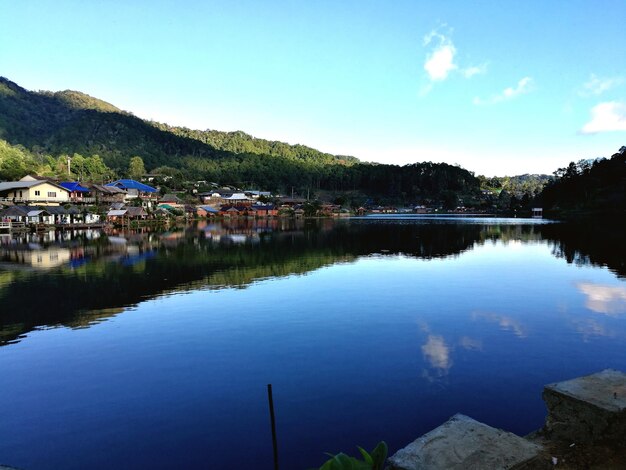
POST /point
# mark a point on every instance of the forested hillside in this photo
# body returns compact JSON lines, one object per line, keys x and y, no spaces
{"x":40,"y":128}
{"x":589,"y":186}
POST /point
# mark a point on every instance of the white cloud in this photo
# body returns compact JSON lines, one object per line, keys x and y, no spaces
{"x":441,"y":60}
{"x":525,"y":85}
{"x":606,"y":117}
{"x":596,"y":85}
{"x":469,"y":72}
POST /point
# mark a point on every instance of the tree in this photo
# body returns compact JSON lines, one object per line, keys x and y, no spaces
{"x":136,"y":168}
{"x":97,"y":170}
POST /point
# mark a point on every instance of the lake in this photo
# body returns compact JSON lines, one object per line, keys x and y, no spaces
{"x":154,"y":349}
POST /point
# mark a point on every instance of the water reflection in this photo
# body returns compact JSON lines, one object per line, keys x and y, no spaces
{"x":62,"y":277}
{"x":505,"y":322}
{"x":471,"y":344}
{"x":437,"y":353}
{"x":605,"y":299}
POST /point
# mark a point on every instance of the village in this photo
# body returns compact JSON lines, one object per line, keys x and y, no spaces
{"x":36,"y":202}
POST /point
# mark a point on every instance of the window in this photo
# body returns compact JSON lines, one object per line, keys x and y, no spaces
{"x":52,"y":194}
{"x":37,"y":193}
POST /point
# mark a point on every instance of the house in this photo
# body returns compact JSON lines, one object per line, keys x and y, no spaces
{"x":72,"y":215}
{"x":171,"y":199}
{"x":107,"y":194}
{"x":230,"y":211}
{"x":126,"y":214}
{"x":189,"y":210}
{"x":116,"y":215}
{"x":255,"y":194}
{"x":36,"y":191}
{"x":238,"y":199}
{"x":220,"y":197}
{"x":329,"y":210}
{"x":206,"y":211}
{"x":136,"y":213}
{"x":16,"y":213}
{"x":78,"y":193}
{"x":60,"y":215}
{"x":39,"y":216}
{"x":265,"y":210}
{"x":152,"y":177}
{"x":161,"y":213}
{"x":290,"y":201}
{"x":135,"y":189}
{"x":29,"y":214}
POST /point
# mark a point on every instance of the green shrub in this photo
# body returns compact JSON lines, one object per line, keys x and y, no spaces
{"x":374,"y":460}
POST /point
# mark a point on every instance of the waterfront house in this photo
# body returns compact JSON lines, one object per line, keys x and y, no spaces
{"x":189,"y":210}
{"x":161,"y":212}
{"x":116,"y":215}
{"x":126,"y":214}
{"x":136,"y":213}
{"x":172,"y":200}
{"x":206,"y":211}
{"x":229,"y":211}
{"x":72,"y":215}
{"x":39,"y":217}
{"x":78,"y":193}
{"x":108,"y":194}
{"x":238,"y":199}
{"x":220,"y":197}
{"x":60,"y":215}
{"x":29,"y":214}
{"x":16,"y":213}
{"x":33,"y":191}
{"x":135,"y":189}
{"x":265,"y":210}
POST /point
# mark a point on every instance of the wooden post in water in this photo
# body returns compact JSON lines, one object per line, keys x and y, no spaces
{"x":274,"y":443}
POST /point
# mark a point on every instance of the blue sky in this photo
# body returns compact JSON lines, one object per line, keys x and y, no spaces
{"x":496,"y":87}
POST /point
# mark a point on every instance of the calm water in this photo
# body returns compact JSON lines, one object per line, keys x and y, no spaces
{"x":153,"y":350}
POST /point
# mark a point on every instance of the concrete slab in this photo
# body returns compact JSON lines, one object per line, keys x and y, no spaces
{"x":587,"y":409}
{"x":464,"y":443}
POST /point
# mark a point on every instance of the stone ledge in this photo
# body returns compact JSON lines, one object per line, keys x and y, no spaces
{"x":464,"y":443}
{"x":587,"y":409}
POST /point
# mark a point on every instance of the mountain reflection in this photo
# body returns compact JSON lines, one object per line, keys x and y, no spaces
{"x":77,"y":278}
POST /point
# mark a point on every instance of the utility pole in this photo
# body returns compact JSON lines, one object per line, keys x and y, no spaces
{"x":69,"y":163}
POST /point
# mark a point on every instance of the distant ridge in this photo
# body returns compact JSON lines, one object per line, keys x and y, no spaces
{"x":47,"y":125}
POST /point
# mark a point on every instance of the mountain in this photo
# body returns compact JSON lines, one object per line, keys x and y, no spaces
{"x":69,"y":120}
{"x":49,"y":124}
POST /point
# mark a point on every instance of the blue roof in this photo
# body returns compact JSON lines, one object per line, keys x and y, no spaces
{"x":209,"y":209}
{"x":74,"y":186}
{"x":132,"y":184}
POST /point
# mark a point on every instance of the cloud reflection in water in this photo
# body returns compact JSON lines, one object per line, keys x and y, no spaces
{"x":602,"y":298}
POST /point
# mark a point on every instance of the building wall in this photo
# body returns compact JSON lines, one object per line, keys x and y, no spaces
{"x":44,"y":192}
